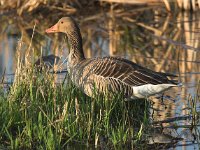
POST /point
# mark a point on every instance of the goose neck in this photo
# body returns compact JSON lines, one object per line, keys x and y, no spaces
{"x":75,"y":41}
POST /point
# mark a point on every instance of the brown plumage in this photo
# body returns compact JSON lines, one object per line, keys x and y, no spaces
{"x":108,"y":74}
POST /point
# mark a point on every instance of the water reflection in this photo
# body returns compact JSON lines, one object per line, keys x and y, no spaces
{"x":155,"y":40}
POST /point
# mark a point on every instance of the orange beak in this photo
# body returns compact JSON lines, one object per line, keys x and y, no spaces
{"x":52,"y":29}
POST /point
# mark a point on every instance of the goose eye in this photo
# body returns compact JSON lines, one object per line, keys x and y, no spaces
{"x":62,"y":22}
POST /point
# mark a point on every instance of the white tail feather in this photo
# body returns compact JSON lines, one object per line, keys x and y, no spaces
{"x":147,"y":90}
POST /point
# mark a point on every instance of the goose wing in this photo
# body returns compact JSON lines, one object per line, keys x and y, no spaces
{"x":121,"y":70}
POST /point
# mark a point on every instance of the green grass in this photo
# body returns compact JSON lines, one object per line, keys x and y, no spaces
{"x":193,"y":104}
{"x":37,"y":113}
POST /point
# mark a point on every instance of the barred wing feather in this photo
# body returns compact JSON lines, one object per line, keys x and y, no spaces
{"x":120,"y":75}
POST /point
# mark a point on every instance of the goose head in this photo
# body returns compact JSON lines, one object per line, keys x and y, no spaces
{"x":66,"y":25}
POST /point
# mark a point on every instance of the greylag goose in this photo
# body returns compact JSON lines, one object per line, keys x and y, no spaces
{"x":108,"y":74}
{"x":46,"y":62}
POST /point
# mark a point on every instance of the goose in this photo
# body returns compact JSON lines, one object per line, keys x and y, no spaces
{"x":46,"y":62}
{"x":108,"y":74}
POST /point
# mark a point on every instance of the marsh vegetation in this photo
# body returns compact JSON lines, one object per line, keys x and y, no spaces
{"x":44,"y":110}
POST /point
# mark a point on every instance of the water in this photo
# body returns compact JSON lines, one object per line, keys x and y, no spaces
{"x":152,"y":38}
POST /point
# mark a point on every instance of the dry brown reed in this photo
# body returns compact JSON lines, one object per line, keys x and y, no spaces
{"x":189,"y":4}
{"x":182,"y":4}
{"x":73,"y":6}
